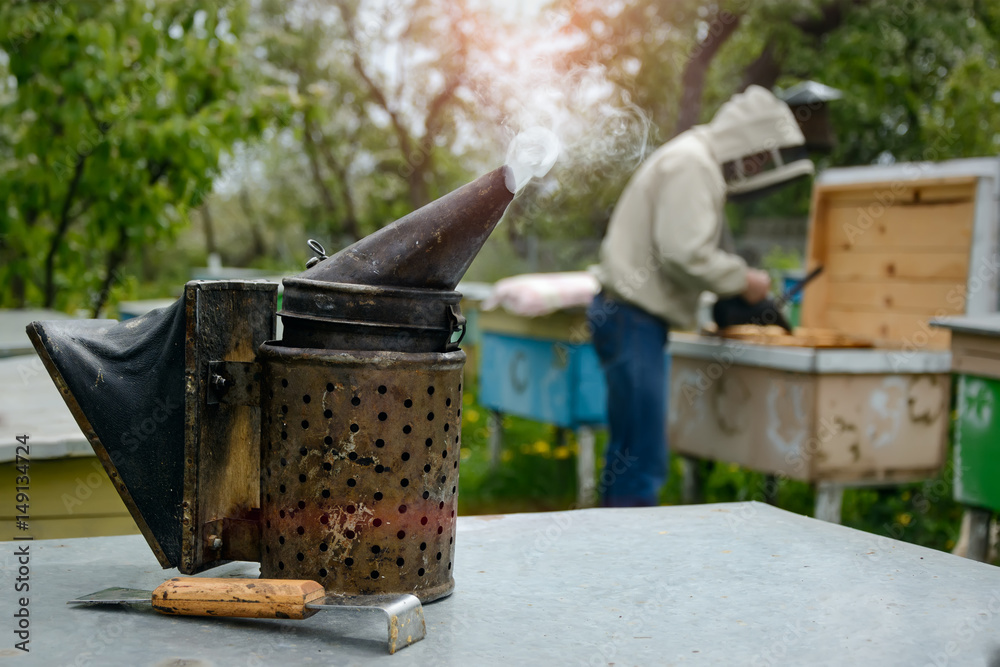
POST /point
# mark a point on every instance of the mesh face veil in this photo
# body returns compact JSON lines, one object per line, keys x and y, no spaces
{"x":756,"y":140}
{"x":762,"y":173}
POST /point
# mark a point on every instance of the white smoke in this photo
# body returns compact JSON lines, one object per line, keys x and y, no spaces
{"x":531,"y":154}
{"x":548,"y":107}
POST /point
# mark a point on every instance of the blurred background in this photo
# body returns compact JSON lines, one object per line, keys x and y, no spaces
{"x":143,"y":144}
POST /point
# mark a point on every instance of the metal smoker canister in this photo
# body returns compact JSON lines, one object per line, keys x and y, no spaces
{"x":362,"y":404}
{"x":360,"y":469}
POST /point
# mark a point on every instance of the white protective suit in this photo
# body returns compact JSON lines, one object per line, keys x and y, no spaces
{"x":661,"y":250}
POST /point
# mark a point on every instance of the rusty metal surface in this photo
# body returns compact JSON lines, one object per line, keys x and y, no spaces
{"x":359,"y":473}
{"x":431,"y":248}
{"x":234,"y":383}
{"x":362,"y":317}
{"x":394,"y":289}
{"x":234,"y":539}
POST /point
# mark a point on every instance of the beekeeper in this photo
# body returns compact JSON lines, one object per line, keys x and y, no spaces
{"x":661,"y":252}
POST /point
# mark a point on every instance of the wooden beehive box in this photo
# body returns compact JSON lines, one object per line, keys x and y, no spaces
{"x":901,"y":245}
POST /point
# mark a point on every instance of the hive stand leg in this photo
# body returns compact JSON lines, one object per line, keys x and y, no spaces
{"x":585,"y":484}
{"x":494,"y":421}
{"x":771,"y":490}
{"x":979,"y":533}
{"x":829,"y":497}
{"x":692,"y":482}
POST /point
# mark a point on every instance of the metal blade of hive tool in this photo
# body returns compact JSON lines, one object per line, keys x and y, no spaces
{"x":115,"y":596}
{"x":404,"y":614}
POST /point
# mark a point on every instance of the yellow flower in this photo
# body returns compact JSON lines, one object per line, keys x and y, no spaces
{"x":541,"y":447}
{"x":472,"y":416}
{"x":905,"y":496}
{"x":561,"y":452}
{"x":506,"y":456}
{"x":465,"y":453}
{"x":905,"y":518}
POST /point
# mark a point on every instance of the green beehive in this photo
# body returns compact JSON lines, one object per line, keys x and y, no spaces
{"x":977,"y":442}
{"x":975,"y":361}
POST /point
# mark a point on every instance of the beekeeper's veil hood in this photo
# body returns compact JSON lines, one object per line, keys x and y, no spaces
{"x":757,"y":142}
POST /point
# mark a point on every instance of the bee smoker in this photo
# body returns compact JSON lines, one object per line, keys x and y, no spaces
{"x":331,"y":454}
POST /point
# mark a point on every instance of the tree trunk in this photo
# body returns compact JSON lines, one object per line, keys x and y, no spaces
{"x":57,"y":238}
{"x":115,"y":259}
{"x":14,"y":259}
{"x":256,"y":235}
{"x":317,"y":172}
{"x":351,"y":224}
{"x":417,"y":187}
{"x":209,"y":225}
{"x":766,"y":68}
{"x":721,"y":27}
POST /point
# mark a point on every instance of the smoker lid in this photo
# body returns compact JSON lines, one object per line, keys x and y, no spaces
{"x":402,"y":276}
{"x":431,"y":248}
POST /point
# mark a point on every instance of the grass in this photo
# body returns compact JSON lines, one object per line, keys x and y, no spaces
{"x":538,"y":473}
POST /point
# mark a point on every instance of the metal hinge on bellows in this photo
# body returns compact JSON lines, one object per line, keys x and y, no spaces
{"x":234,"y":383}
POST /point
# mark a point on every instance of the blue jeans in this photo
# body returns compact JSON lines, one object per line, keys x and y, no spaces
{"x":630,"y":344}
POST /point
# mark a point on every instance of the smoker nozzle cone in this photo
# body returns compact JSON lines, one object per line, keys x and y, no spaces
{"x":431,"y":248}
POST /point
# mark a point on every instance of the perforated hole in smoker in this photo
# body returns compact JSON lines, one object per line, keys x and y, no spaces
{"x":344,"y":427}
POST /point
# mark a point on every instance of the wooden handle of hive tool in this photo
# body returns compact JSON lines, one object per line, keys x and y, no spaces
{"x":242,"y":598}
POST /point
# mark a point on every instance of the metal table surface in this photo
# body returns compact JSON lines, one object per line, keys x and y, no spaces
{"x":740,"y":583}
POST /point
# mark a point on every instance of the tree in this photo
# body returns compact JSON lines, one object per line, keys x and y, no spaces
{"x":112,"y":133}
{"x":918,"y":79}
{"x":377,"y":85}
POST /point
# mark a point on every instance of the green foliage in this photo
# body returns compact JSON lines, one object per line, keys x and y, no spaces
{"x":778,"y":260}
{"x":901,"y":67}
{"x":373,"y":138}
{"x":111,"y":133}
{"x":919,"y":80}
